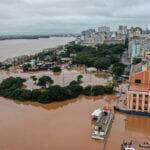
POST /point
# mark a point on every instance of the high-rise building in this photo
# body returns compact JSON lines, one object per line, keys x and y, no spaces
{"x":87,"y":34}
{"x":123,"y":29}
{"x":104,"y":29}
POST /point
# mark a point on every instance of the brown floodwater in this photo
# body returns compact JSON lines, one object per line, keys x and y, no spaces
{"x":13,"y":48}
{"x":63,"y":79}
{"x":64,"y":126}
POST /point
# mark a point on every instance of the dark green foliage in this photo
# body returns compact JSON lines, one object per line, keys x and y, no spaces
{"x":21,"y":94}
{"x":136,"y":61}
{"x":36,"y":93}
{"x":118,"y":69}
{"x":102,"y":63}
{"x":79,"y":79}
{"x":101,"y":56}
{"x":12,"y":83}
{"x":56,"y":69}
{"x":98,"y":90}
{"x":13,"y":88}
{"x":45,"y":81}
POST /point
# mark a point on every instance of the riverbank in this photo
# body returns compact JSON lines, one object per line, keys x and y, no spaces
{"x":15,"y":48}
{"x":63,"y":125}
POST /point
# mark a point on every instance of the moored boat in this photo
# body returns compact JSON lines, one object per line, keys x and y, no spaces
{"x":97,"y":113}
{"x":103,"y":124}
{"x":127,"y":146}
{"x":145,"y":145}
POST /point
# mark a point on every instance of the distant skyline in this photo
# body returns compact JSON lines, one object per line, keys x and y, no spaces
{"x":70,"y":16}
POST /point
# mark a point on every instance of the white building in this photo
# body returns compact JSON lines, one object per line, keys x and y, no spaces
{"x":94,"y":39}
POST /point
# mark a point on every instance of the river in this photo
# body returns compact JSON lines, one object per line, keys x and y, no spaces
{"x":64,"y":126}
{"x":12,"y":48}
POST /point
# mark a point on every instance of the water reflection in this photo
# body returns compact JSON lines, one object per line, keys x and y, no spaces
{"x":50,"y":106}
{"x":138,"y":124}
{"x":55,"y":105}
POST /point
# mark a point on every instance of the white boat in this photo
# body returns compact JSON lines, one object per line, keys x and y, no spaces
{"x":127,"y":146}
{"x":97,"y":113}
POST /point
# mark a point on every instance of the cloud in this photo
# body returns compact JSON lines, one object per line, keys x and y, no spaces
{"x":54,"y":16}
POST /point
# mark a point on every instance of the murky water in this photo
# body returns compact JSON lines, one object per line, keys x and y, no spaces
{"x":63,"y":126}
{"x":12,"y":48}
{"x":64,"y":78}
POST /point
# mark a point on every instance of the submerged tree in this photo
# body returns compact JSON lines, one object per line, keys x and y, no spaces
{"x":45,"y":81}
{"x":79,"y":79}
{"x":34,"y":78}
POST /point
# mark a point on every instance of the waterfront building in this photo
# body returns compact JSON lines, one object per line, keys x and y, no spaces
{"x":138,"y":95}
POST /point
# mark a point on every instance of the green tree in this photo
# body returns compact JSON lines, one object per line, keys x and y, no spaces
{"x":102,"y":63}
{"x":118,"y":69}
{"x":15,"y":82}
{"x":45,"y":81}
{"x":79,"y":79}
{"x":56,"y":69}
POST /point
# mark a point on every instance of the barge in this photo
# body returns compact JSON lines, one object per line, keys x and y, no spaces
{"x":97,"y":113}
{"x":145,"y":145}
{"x":103,"y":124}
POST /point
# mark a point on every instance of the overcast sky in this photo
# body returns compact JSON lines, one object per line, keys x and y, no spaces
{"x":59,"y":16}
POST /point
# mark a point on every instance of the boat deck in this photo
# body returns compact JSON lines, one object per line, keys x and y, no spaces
{"x":103,"y":124}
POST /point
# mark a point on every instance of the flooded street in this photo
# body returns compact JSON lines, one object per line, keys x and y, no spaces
{"x":63,"y":79}
{"x":62,"y":126}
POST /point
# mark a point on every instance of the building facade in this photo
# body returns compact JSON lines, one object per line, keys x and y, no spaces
{"x":104,"y":29}
{"x":139,"y":47}
{"x":138,"y":96}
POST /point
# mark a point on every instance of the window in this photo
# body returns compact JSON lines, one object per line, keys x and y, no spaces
{"x":140,"y":101}
{"x":140,"y":108}
{"x":146,"y":101}
{"x":134,"y":107}
{"x":145,"y":108}
{"x":134,"y":100}
{"x":134,"y":95}
{"x":138,"y":81}
{"x":146,"y":97}
{"x":140,"y":97}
